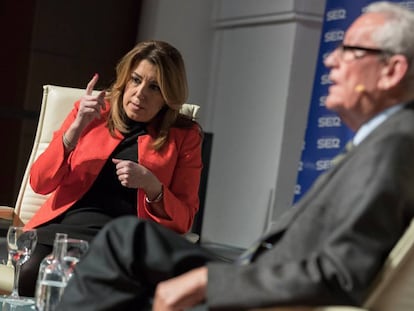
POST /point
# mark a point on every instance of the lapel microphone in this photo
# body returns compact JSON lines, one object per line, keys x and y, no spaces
{"x":359,"y":88}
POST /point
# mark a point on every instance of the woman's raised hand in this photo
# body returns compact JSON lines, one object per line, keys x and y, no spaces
{"x":89,"y":108}
{"x":90,"y":105}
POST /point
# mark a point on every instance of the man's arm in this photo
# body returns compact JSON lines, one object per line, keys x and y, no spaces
{"x":184,"y":291}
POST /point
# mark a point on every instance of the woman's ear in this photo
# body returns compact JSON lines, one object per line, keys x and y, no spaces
{"x":393,"y":72}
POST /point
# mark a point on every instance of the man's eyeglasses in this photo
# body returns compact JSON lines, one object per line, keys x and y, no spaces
{"x":351,"y":52}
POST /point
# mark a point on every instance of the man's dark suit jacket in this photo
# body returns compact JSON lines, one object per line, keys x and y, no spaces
{"x":329,"y":247}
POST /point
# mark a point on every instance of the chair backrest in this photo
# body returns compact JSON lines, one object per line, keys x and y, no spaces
{"x":394,"y":286}
{"x":57,"y":102}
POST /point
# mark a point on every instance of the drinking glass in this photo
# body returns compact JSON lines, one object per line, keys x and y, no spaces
{"x":75,"y":250}
{"x":21,"y":243}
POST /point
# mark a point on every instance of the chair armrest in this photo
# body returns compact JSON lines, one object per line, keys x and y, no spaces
{"x":324,"y":308}
{"x":6,"y":279}
{"x":192,"y":237}
{"x":6,"y":212}
{"x":190,"y":110}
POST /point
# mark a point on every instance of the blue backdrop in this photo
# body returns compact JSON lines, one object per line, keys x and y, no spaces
{"x":325,"y":134}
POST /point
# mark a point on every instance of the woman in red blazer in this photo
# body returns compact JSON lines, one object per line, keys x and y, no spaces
{"x":121,"y":152}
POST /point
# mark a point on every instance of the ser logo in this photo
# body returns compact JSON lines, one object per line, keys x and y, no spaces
{"x":298,"y":189}
{"x":334,"y":15}
{"x":334,"y":36}
{"x":322,"y":165}
{"x":325,"y":79}
{"x":331,"y":121}
{"x":328,"y":143}
{"x":322,"y":100}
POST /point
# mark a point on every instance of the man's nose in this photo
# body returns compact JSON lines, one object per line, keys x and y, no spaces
{"x":331,"y":59}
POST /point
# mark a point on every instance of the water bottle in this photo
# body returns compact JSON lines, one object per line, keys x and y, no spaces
{"x":48,"y":259}
{"x":51,"y":280}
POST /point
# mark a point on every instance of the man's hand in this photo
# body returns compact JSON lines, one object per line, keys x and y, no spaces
{"x":182,"y":292}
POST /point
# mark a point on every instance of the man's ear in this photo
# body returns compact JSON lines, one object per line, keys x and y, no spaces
{"x":393,"y":72}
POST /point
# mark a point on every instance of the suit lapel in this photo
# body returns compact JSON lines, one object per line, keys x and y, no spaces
{"x":283,"y":222}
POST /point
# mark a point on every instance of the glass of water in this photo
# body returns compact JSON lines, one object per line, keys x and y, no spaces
{"x":75,"y":250}
{"x":21,"y":243}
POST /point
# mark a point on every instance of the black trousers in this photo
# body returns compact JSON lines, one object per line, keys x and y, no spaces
{"x":125,"y":262}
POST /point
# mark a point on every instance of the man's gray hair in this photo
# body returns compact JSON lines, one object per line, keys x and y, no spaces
{"x":397,"y":33}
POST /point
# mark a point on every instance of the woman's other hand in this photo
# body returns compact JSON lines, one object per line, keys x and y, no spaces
{"x":135,"y":175}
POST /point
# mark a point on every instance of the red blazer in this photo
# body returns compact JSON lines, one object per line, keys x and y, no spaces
{"x":177,"y":165}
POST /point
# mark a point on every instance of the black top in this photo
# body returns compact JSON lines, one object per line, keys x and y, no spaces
{"x":105,"y":200}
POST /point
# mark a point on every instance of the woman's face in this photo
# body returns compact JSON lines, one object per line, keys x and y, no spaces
{"x":142,"y":98}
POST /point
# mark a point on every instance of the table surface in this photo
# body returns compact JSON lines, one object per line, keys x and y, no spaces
{"x":7,"y":304}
